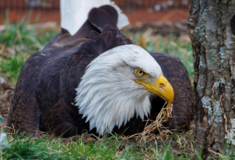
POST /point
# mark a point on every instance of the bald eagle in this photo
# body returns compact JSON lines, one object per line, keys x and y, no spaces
{"x":100,"y":81}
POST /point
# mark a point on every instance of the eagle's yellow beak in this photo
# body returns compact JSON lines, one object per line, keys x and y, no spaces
{"x":162,"y":88}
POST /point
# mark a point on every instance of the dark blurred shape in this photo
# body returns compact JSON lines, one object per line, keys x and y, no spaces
{"x":232,"y":24}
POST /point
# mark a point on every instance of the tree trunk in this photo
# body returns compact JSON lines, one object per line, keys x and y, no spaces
{"x":211,"y":26}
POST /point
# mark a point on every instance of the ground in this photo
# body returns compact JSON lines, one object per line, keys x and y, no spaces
{"x":20,"y":40}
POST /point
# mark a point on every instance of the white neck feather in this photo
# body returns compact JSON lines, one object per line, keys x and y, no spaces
{"x":107,"y":95}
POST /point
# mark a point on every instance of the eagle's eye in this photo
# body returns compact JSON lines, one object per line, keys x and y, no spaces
{"x":140,"y":72}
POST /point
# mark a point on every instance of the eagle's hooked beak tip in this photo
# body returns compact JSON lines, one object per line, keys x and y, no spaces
{"x":161,"y":88}
{"x":164,"y":90}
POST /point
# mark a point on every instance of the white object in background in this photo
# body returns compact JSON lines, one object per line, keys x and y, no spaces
{"x":33,"y":3}
{"x":3,"y":140}
{"x":75,"y":12}
{"x":2,"y":80}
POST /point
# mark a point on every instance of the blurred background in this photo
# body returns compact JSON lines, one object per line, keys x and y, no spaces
{"x":136,"y":10}
{"x":27,"y":25}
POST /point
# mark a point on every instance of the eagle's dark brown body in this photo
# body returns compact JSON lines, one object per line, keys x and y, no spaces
{"x":45,"y":91}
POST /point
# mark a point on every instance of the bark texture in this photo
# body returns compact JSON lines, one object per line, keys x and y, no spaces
{"x":211,"y":26}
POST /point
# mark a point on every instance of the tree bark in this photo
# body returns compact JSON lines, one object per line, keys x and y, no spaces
{"x":211,"y":26}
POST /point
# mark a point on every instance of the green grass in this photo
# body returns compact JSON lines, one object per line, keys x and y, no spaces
{"x":179,"y":147}
{"x":112,"y":147}
{"x":18,"y":36}
{"x":24,"y":42}
{"x":106,"y":148}
{"x":11,"y":67}
{"x":22,"y":39}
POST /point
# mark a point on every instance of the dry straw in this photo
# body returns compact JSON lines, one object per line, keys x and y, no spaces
{"x":157,"y":125}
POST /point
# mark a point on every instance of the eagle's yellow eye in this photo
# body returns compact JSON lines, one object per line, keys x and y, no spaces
{"x":140,"y":72}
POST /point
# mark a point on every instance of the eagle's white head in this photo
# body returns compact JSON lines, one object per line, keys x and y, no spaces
{"x":117,"y":85}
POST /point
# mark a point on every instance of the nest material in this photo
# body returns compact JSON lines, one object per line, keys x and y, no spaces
{"x":162,"y":117}
{"x":149,"y":131}
{"x":157,"y":125}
